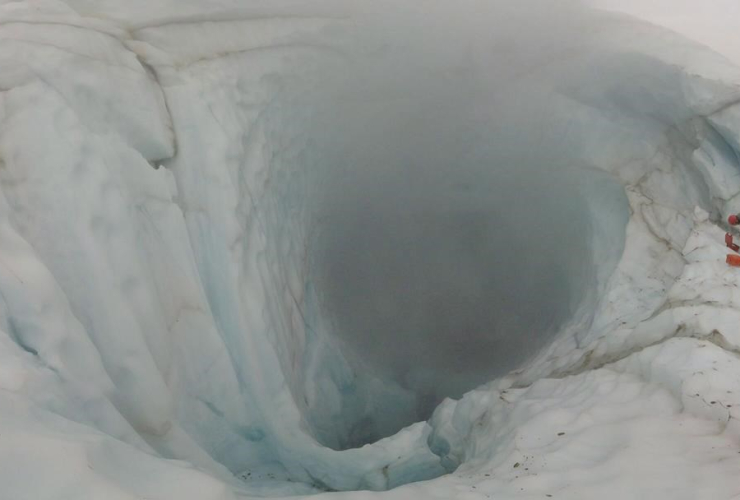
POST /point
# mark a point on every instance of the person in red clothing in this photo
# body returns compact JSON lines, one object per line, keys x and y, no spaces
{"x":734,"y":220}
{"x":733,"y":260}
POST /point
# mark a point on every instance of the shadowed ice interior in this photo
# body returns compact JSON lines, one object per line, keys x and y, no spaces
{"x":442,"y":253}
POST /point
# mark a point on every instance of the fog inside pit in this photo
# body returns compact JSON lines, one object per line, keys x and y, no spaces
{"x":446,"y":285}
{"x":452,"y":237}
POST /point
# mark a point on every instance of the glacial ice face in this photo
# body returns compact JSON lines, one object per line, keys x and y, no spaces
{"x":180,"y":181}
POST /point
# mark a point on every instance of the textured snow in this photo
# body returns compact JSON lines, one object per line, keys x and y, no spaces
{"x":162,"y":331}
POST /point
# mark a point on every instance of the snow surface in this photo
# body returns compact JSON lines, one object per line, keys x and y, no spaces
{"x":170,"y":171}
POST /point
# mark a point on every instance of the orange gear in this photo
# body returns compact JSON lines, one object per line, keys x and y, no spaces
{"x":730,"y":244}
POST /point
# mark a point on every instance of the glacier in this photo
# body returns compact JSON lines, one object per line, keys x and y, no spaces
{"x":287,"y":249}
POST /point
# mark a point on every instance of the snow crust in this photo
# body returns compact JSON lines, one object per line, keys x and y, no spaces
{"x":166,"y":172}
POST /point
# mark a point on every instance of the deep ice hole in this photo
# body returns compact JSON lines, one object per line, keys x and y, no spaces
{"x":440,"y":267}
{"x":384,"y":230}
{"x":445,"y":241}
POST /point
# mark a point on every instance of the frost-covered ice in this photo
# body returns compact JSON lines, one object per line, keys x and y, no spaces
{"x":162,"y":326}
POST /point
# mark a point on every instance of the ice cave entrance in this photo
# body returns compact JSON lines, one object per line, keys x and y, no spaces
{"x":442,"y":258}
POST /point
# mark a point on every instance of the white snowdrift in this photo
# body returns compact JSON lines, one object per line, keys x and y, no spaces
{"x":170,"y":171}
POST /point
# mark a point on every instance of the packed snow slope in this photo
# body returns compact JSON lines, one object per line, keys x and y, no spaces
{"x":455,"y":250}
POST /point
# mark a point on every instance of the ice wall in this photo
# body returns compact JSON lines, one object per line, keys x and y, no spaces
{"x":178,"y":181}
